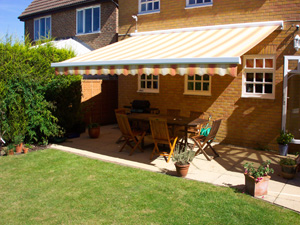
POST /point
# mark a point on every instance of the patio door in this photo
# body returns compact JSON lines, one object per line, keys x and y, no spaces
{"x":291,"y":97}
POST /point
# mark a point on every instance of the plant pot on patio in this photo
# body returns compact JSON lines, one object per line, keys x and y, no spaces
{"x":283,"y":140}
{"x":257,"y":180}
{"x":182,"y":157}
{"x":94,"y":130}
{"x":288,"y":168}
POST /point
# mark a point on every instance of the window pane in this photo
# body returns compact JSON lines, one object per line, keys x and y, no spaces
{"x":205,"y":77}
{"x":207,"y":0}
{"x":249,"y":88}
{"x":143,"y":76}
{"x":259,"y":63}
{"x":156,"y":5}
{"x":269,"y":63}
{"x":150,"y":6}
{"x":268,"y":88}
{"x":199,"y":1}
{"x":43,"y":27}
{"x":36,"y":29}
{"x":149,"y":84}
{"x":198,"y":86}
{"x":143,"y":84}
{"x":259,"y":77}
{"x":249,"y":77}
{"x":268,"y":77}
{"x":88,"y":21}
{"x":258,"y":88}
{"x":149,"y":77}
{"x":198,"y":77}
{"x":80,"y":22}
{"x":191,"y":1}
{"x":190,"y":86}
{"x":143,"y":8}
{"x":96,"y":18}
{"x":155,"y":85}
{"x":155,"y":77}
{"x":190,"y":77}
{"x":205,"y":86}
{"x":249,"y":63}
{"x":48,"y":27}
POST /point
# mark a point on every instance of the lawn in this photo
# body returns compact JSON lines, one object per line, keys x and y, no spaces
{"x":54,"y":187}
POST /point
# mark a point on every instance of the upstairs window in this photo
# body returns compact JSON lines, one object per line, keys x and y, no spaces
{"x":148,"y":83}
{"x":198,"y":3}
{"x":149,"y":6}
{"x":197,"y":85}
{"x":88,"y":20}
{"x":42,"y":28}
{"x":258,"y":77}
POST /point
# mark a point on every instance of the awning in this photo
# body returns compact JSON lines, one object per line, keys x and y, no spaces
{"x":202,"y":50}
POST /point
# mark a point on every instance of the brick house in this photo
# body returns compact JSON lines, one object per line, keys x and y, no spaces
{"x":233,"y":59}
{"x":91,"y":24}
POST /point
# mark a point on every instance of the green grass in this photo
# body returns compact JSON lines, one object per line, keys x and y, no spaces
{"x":53,"y":187}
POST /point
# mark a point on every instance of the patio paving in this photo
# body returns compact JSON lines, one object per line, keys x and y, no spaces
{"x":226,"y":170}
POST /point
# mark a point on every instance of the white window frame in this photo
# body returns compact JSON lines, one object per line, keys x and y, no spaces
{"x":258,"y":70}
{"x":197,"y":92}
{"x":204,"y":4}
{"x":148,"y":90}
{"x":148,"y":11}
{"x":34,"y":27}
{"x":84,"y":9}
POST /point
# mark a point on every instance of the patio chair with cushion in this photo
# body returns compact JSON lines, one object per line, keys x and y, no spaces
{"x":192,"y":131}
{"x":160,"y":134}
{"x":129,"y":134}
{"x":203,"y":142}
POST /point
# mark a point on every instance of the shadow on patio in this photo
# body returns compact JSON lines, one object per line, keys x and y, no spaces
{"x":226,"y":170}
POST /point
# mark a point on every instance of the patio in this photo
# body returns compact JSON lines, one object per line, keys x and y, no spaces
{"x":227,"y":170}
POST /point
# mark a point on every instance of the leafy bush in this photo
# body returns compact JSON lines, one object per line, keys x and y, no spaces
{"x":288,"y":161}
{"x":34,"y":100}
{"x":263,"y":170}
{"x":183,"y":155}
{"x":284,"y":138}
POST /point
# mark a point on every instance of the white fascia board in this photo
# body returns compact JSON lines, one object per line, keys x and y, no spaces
{"x":215,"y":27}
{"x":209,"y":60}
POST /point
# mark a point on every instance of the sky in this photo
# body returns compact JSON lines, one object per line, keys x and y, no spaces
{"x":9,"y":22}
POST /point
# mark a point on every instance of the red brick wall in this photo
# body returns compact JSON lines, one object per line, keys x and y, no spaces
{"x":64,"y":26}
{"x":246,"y":121}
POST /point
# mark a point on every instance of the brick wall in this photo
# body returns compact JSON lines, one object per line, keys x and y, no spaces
{"x":246,"y":122}
{"x":99,"y":99}
{"x":64,"y":26}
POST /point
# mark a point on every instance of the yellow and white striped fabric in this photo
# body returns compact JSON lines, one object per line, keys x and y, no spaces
{"x":204,"y":50}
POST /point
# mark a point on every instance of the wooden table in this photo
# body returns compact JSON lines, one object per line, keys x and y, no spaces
{"x":185,"y":122}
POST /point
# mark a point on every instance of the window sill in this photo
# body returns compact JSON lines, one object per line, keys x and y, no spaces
{"x":147,"y":13}
{"x":148,"y":91}
{"x":198,"y":94}
{"x":198,"y":6}
{"x":98,"y":32}
{"x":259,"y":96}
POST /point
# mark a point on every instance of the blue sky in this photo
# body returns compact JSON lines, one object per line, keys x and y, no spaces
{"x":9,"y":22}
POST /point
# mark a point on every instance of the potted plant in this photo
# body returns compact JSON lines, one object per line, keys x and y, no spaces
{"x":26,"y":148}
{"x":94,"y":130}
{"x":288,"y":167}
{"x":182,"y":157}
{"x":18,"y":141}
{"x":283,"y":140}
{"x":10,"y":149}
{"x":257,"y":180}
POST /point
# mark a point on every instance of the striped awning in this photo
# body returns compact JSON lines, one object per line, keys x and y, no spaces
{"x":202,"y":50}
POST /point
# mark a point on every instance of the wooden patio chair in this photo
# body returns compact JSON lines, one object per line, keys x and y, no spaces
{"x":120,"y":111}
{"x":129,"y":134}
{"x":192,"y":131}
{"x":204,"y":142}
{"x":160,"y":134}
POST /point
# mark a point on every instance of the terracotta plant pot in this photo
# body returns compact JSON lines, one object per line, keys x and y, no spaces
{"x":288,"y":171}
{"x":256,"y":188}
{"x":25,"y":150}
{"x":19,"y":148}
{"x":182,"y":170}
{"x":11,"y":152}
{"x":94,"y":132}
